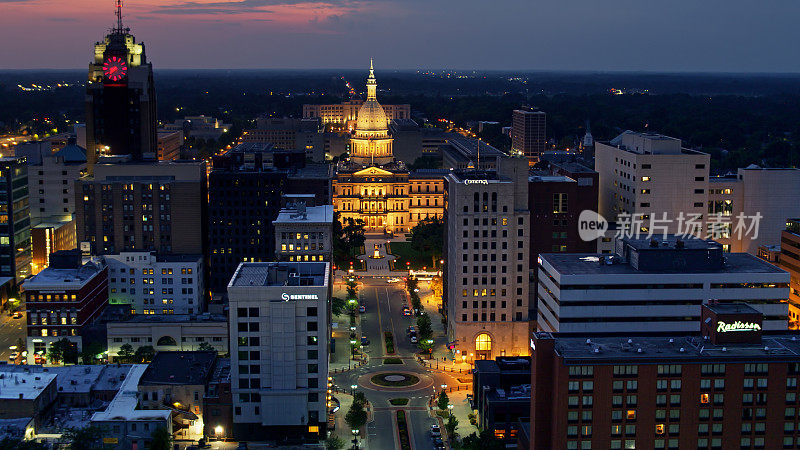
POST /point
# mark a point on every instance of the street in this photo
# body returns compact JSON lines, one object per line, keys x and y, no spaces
{"x":11,"y":331}
{"x":384,"y":303}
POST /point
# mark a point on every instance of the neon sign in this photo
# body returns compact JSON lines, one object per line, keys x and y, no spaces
{"x":723,"y":327}
{"x":286,"y":297}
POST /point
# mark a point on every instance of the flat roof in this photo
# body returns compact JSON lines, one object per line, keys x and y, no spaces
{"x":123,"y":405}
{"x":312,"y":214}
{"x":589,"y":264}
{"x":63,"y":278}
{"x":280,"y":274}
{"x":732,"y":308}
{"x":636,"y":349}
{"x":536,"y":178}
{"x":184,"y":368}
{"x":27,"y":386}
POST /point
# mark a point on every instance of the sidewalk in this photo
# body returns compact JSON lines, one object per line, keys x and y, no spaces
{"x":340,"y":359}
{"x":461,"y":410}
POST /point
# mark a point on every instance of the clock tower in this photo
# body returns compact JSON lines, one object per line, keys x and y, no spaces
{"x":120,"y":98}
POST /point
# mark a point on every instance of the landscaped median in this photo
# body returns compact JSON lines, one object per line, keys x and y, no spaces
{"x":389,"y":340}
{"x":402,"y":429}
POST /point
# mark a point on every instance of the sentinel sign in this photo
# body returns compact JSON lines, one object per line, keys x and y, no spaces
{"x":286,"y":297}
{"x":736,"y":326}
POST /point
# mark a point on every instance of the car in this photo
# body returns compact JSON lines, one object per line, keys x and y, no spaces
{"x":414,"y":339}
{"x":406,"y":311}
{"x":364,"y":340}
{"x":16,"y":315}
{"x":393,"y":280}
{"x":362,"y":309}
{"x":435,"y":430}
{"x":411,"y":330}
{"x":13,"y":356}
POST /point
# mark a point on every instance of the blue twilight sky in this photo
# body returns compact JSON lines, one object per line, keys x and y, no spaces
{"x":635,"y":35}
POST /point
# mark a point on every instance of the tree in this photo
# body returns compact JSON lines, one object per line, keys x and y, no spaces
{"x":334,"y":443}
{"x":450,"y":426}
{"x":125,"y":353}
{"x":427,"y":238}
{"x":206,"y":347}
{"x":86,"y":438}
{"x":485,"y":441}
{"x":63,"y":351}
{"x":8,"y":443}
{"x":443,"y":401}
{"x":146,"y":353}
{"x":436,"y":286}
{"x":338,"y":305}
{"x":360,"y":398}
{"x":90,"y":351}
{"x":424,"y":327}
{"x":161,"y":439}
{"x":356,"y":417}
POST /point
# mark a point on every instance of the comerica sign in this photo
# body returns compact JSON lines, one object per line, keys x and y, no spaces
{"x":723,"y":327}
{"x":286,"y":297}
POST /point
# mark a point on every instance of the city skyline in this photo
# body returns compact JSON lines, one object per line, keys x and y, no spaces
{"x":584,"y":36}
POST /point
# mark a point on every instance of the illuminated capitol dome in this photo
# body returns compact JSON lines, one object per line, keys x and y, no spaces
{"x":371,"y":144}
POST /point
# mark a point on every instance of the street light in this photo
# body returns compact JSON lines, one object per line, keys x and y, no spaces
{"x":353,"y":389}
{"x":355,"y":438}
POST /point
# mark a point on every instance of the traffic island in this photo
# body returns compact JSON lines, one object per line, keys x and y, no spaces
{"x":395,"y":379}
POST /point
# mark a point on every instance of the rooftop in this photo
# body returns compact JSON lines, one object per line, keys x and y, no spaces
{"x":184,"y":368}
{"x":22,"y":385}
{"x":590,"y":264}
{"x":123,"y":406}
{"x":280,"y":274}
{"x":63,"y":278}
{"x":638,"y":349}
{"x":312,"y":214}
{"x":541,"y":178}
{"x":732,"y":308}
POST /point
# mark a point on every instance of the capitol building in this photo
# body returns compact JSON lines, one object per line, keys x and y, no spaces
{"x":375,"y":187}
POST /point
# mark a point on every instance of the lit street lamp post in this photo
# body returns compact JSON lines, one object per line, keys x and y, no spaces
{"x":355,"y":439}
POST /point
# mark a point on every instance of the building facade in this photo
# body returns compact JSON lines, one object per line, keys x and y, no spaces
{"x":15,"y":222}
{"x":528,"y":133}
{"x":305,"y":135}
{"x":120,"y":98}
{"x":279,"y":349}
{"x":486,"y":276}
{"x":169,"y":144}
{"x":345,"y":115}
{"x":304,"y":233}
{"x":154,"y":284}
{"x":143,"y":206}
{"x":648,"y":177}
{"x":176,"y":332}
{"x":654,"y":285}
{"x":61,"y":300}
{"x":733,"y":390}
{"x":789,"y":260}
{"x":48,"y":238}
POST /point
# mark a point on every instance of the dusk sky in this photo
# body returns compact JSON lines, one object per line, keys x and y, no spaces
{"x":615,"y":35}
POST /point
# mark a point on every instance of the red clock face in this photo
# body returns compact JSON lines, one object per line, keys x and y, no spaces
{"x":115,"y":68}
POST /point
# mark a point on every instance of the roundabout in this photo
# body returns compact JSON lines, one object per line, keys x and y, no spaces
{"x":395,"y":381}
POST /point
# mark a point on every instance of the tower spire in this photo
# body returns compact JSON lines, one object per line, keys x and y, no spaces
{"x":119,"y":16}
{"x":372,"y":84}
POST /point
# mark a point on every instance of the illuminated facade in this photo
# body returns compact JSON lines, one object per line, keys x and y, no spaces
{"x":374,"y":187}
{"x":120,"y":98}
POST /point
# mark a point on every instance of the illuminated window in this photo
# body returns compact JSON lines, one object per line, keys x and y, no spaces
{"x":631,"y":414}
{"x":703,"y":398}
{"x":660,"y":428}
{"x":483,"y":342}
{"x":645,"y":178}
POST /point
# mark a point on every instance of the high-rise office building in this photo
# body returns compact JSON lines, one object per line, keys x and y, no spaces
{"x":654,"y":285}
{"x":279,"y":349}
{"x":486,"y":281}
{"x":157,"y":206}
{"x":789,"y":260}
{"x":120,"y":97}
{"x":304,"y":233}
{"x":647,"y":175}
{"x":528,"y":133}
{"x":15,"y":221}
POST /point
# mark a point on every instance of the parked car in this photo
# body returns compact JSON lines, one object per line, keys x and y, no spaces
{"x":17,"y":315}
{"x":435,"y":430}
{"x":362,"y":309}
{"x":414,"y":339}
{"x":437,"y":443}
{"x":13,"y":356}
{"x":406,"y":311}
{"x":364,"y":340}
{"x":411,"y":330}
{"x":393,"y":280}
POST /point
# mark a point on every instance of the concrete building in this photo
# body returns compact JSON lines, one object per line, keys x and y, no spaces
{"x":49,"y":237}
{"x":646,"y":176}
{"x":61,"y":300}
{"x":178,"y":381}
{"x":51,"y":178}
{"x":279,"y":349}
{"x":461,"y":153}
{"x":218,"y":402}
{"x":412,"y":141}
{"x":26,"y":395}
{"x":123,"y":425}
{"x":486,"y":274}
{"x":654,"y":286}
{"x":344,"y":115}
{"x":732,"y":388}
{"x":528,"y":133}
{"x":176,"y":332}
{"x":156,"y":284}
{"x":302,"y":135}
{"x":304,"y":233}
{"x":169,"y":144}
{"x":789,"y":260}
{"x":15,"y":222}
{"x":199,"y":127}
{"x":770,"y":193}
{"x":143,"y":206}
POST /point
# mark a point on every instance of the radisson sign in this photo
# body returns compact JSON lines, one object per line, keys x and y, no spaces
{"x":723,"y":327}
{"x":286,"y":297}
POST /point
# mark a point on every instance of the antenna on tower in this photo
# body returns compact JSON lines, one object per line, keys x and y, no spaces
{"x":119,"y":16}
{"x":478,"y":166}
